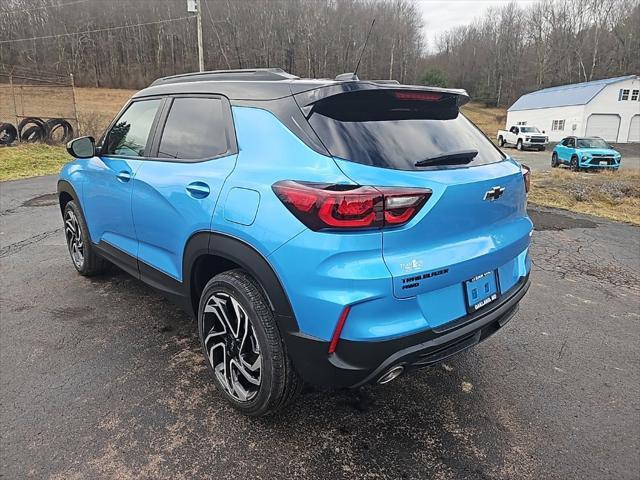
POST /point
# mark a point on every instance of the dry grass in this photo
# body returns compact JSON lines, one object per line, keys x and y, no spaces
{"x":612,"y":195}
{"x":96,"y":106}
{"x":488,"y":119}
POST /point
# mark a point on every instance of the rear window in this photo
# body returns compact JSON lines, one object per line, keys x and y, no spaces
{"x":395,"y":129}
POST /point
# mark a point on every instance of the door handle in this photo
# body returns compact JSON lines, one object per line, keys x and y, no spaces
{"x":124,"y":176}
{"x":198,"y":189}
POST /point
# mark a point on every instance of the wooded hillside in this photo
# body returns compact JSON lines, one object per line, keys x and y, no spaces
{"x":506,"y":52}
{"x":513,"y":50}
{"x":310,"y":38}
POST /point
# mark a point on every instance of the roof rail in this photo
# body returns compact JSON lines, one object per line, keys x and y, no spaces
{"x":256,"y":74}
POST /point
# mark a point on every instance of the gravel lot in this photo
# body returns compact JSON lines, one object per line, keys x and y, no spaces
{"x":103,"y":378}
{"x":542,"y":160}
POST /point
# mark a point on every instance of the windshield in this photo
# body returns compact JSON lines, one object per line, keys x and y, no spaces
{"x":397,"y":129}
{"x":529,"y":129}
{"x":592,"y":143}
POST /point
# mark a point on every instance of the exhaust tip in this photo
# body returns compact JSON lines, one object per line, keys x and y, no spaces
{"x":392,"y":374}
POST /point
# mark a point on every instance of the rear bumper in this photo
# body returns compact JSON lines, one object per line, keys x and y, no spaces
{"x":356,"y":363}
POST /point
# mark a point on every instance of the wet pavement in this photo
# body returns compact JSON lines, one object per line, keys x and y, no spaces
{"x":103,"y":378}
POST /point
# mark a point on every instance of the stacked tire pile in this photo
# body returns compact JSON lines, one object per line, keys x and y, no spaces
{"x":33,"y":129}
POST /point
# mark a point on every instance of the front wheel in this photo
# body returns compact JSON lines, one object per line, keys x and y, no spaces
{"x":519,"y":145}
{"x":554,"y":160}
{"x":243,"y":347}
{"x":83,"y":254}
{"x":574,"y":165}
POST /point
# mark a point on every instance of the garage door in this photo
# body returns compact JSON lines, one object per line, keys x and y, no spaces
{"x":634,"y":129}
{"x":603,"y":126}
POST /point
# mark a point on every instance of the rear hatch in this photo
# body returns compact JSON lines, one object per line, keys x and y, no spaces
{"x":475,"y":220}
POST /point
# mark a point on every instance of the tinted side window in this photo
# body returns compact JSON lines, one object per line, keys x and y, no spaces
{"x":195,"y":129}
{"x":129,"y":135}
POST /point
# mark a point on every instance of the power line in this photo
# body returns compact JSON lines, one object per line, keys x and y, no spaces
{"x":44,"y":7}
{"x":71,"y":34}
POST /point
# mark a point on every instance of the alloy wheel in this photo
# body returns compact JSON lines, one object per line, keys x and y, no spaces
{"x":232,"y":346}
{"x":74,"y":238}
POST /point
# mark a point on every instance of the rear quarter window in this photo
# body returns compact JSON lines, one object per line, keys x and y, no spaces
{"x":195,"y":130}
{"x":393,"y":130}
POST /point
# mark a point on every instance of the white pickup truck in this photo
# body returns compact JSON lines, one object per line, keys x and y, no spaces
{"x":523,"y":137}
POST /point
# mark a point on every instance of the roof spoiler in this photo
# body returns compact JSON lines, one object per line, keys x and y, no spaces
{"x":305,"y":96}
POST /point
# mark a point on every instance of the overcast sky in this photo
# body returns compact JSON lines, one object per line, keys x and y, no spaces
{"x":439,"y":16}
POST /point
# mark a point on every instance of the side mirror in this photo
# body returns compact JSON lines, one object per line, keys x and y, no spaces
{"x":543,"y":131}
{"x":82,"y":147}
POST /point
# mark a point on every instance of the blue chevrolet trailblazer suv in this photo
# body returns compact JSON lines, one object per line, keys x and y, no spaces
{"x":334,"y":232}
{"x":585,"y":152}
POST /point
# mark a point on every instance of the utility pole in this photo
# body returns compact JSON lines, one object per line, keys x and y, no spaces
{"x":194,"y":6}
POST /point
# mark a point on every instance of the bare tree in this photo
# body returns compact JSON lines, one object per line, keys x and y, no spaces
{"x":318,"y":38}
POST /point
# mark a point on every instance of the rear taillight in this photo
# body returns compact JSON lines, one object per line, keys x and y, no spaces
{"x":329,"y":206}
{"x":526,"y":173}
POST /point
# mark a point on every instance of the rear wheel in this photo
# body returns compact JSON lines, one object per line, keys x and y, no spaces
{"x":519,"y":145}
{"x":501,"y":141}
{"x":574,"y":165}
{"x":83,"y":254}
{"x":243,"y":347}
{"x":554,"y":160}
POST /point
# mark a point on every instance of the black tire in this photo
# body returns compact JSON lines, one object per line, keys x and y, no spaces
{"x":574,"y":165}
{"x":33,"y":121}
{"x":519,"y":145}
{"x":8,"y":134}
{"x":279,"y":384}
{"x":55,"y":124}
{"x":554,"y":160}
{"x":501,"y":141}
{"x":90,"y":263}
{"x":33,"y":134}
{"x":542,"y":149}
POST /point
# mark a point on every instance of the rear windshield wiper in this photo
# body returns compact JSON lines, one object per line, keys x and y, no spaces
{"x":461,"y":157}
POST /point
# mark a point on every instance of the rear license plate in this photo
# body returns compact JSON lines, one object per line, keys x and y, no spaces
{"x":604,"y":162}
{"x":481,"y":290}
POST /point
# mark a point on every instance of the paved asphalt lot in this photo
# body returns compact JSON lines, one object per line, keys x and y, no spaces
{"x":104,"y":378}
{"x":542,"y":160}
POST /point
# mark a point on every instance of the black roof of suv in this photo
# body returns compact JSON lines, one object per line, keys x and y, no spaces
{"x":271,"y":84}
{"x":286,"y":96}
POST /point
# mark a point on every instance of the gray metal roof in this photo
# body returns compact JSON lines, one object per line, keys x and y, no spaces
{"x":565,"y":95}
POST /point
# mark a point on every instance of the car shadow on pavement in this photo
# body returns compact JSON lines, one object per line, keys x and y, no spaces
{"x":432,"y":422}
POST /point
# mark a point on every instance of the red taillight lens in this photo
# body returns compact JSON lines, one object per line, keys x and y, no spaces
{"x":400,"y":205}
{"x":526,"y":173}
{"x":338,"y":330}
{"x":417,"y":96}
{"x":325,"y":206}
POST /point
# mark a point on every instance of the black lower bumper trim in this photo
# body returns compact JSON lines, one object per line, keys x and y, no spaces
{"x":358,"y":363}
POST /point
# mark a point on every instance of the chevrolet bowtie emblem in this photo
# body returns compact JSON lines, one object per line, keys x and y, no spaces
{"x":494,"y":194}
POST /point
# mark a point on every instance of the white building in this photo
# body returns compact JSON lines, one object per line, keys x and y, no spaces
{"x":608,"y":108}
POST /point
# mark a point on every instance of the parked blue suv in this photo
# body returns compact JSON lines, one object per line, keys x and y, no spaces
{"x":333,"y":232}
{"x":585,"y":152}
